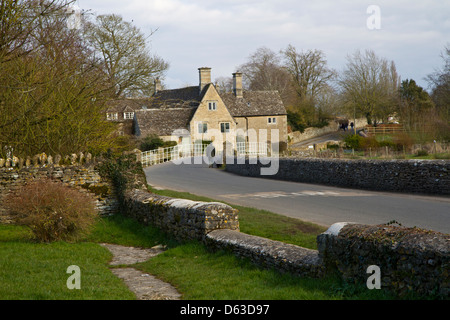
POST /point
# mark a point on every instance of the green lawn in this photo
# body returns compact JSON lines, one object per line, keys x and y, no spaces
{"x":33,"y":271}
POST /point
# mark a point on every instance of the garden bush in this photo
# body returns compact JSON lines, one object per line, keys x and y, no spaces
{"x":421,"y":153}
{"x":151,"y":142}
{"x":53,"y":211}
{"x":353,"y":141}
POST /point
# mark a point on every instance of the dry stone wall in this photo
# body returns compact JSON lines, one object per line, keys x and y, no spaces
{"x":410,"y":260}
{"x":77,"y":171}
{"x":414,"y":176}
{"x":268,"y":253}
{"x":183,"y":219}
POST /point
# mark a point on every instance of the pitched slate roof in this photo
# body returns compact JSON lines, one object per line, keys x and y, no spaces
{"x":254,"y":103}
{"x":178,"y":95}
{"x":127,"y":105}
{"x":162,"y":121}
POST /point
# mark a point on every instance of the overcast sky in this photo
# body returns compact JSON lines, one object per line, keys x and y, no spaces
{"x":223,"y":34}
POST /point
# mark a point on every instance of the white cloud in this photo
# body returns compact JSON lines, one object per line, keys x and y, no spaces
{"x":223,"y":34}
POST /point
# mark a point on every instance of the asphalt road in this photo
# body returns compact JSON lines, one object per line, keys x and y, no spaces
{"x":320,"y":204}
{"x":332,"y":136}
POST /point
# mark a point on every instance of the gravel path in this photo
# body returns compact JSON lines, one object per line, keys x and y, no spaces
{"x":145,"y":286}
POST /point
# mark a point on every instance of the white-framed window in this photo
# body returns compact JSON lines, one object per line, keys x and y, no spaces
{"x":128,"y":115}
{"x":112,"y":116}
{"x":271,"y":120}
{"x":202,"y":127}
{"x":212,"y":105}
{"x":225,"y":127}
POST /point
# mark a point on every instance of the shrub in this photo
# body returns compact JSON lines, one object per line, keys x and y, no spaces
{"x":52,"y":210}
{"x":296,"y":121}
{"x":151,"y":142}
{"x":370,"y":143}
{"x":353,"y":141}
{"x":168,"y":144}
{"x":332,"y":146}
{"x":421,"y":153}
{"x":403,"y":142}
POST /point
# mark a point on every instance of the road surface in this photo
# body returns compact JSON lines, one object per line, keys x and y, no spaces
{"x":323,"y":205}
{"x":331,"y":136}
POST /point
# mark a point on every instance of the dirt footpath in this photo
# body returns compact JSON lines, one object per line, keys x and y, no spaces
{"x":145,"y":286}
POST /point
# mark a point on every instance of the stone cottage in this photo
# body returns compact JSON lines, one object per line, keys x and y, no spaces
{"x":200,"y":113}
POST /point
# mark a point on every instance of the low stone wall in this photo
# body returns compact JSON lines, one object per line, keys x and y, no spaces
{"x":184,"y":219}
{"x":414,"y":176}
{"x":411,"y":260}
{"x":15,"y":174}
{"x":267,"y":253}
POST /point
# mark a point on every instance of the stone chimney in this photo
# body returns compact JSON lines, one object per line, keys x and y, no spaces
{"x":205,"y":77}
{"x":237,"y":84}
{"x":157,"y":85}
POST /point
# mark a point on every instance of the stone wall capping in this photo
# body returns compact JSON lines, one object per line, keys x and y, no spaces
{"x":268,"y":253}
{"x":43,"y":160}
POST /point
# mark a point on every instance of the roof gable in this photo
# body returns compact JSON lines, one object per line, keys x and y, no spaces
{"x":205,"y":93}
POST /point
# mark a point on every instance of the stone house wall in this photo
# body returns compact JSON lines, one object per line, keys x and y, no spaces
{"x":257,"y":123}
{"x":213,"y":118}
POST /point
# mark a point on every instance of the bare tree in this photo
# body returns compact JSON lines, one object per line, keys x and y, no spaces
{"x":19,"y":19}
{"x":369,"y":86}
{"x":311,"y":80}
{"x":439,"y":82}
{"x":125,"y":57}
{"x":264,"y":71}
{"x":308,"y":70}
{"x":224,"y":84}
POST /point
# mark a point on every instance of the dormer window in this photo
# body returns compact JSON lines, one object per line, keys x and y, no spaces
{"x":112,"y":116}
{"x":128,"y":115}
{"x":212,"y":105}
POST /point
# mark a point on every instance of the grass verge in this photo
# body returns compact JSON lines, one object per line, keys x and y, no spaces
{"x":38,"y":271}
